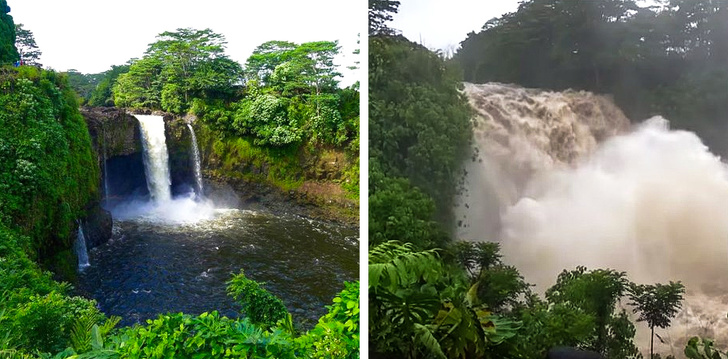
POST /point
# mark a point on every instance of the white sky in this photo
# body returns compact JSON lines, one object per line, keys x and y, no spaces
{"x":443,"y":24}
{"x":92,"y":35}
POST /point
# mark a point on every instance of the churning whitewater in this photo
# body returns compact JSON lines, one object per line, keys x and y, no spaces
{"x":560,"y":180}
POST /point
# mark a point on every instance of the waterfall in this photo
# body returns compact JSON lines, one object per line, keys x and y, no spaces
{"x":520,"y":134}
{"x":106,"y":173}
{"x":80,"y":248}
{"x":156,"y":158}
{"x":196,"y":157}
{"x":562,"y":179}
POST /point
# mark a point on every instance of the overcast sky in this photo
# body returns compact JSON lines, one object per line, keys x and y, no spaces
{"x":92,"y":35}
{"x":441,"y":24}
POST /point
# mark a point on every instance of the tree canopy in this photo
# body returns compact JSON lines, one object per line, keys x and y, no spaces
{"x":8,"y":52}
{"x":27,"y":48}
{"x":179,"y":66}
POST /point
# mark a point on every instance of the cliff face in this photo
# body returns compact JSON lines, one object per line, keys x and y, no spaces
{"x":112,"y":130}
{"x":305,"y":181}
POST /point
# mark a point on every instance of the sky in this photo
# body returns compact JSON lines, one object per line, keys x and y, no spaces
{"x":92,"y":35}
{"x":441,"y":24}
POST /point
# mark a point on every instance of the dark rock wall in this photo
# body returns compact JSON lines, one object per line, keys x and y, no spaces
{"x":179,"y":147}
{"x":97,"y":225}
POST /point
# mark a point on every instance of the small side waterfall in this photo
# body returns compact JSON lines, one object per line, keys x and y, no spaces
{"x":197,"y":167}
{"x":80,"y":248}
{"x":156,"y":158}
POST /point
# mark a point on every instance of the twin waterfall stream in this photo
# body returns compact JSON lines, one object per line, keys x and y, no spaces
{"x":175,"y":252}
{"x":562,"y":179}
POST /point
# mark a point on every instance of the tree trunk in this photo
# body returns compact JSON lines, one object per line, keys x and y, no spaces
{"x":652,"y":340}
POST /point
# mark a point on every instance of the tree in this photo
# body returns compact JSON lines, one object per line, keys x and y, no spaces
{"x":380,"y":12}
{"x":657,"y":304}
{"x":8,"y":52}
{"x":27,"y":48}
{"x":265,"y":58}
{"x":597,"y":292}
{"x":176,"y":68}
{"x":292,"y":93}
{"x":141,"y":86}
{"x":101,"y":94}
{"x":356,"y":54}
{"x":496,"y":284}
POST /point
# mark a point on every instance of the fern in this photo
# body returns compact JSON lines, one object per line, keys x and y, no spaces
{"x":86,"y":335}
{"x":393,"y":264}
{"x":81,"y":332}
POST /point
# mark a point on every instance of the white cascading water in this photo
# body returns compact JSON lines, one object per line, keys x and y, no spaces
{"x":80,"y":248}
{"x":567,"y":182}
{"x":196,"y":165}
{"x":156,"y":159}
{"x":162,"y":207}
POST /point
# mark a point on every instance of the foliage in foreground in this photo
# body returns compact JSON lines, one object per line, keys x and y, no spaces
{"x":212,"y":335}
{"x":465,"y":302}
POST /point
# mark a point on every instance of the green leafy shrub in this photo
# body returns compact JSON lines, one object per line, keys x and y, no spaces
{"x":703,"y":349}
{"x":45,"y":321}
{"x":262,"y":307}
{"x":337,"y":333}
{"x":266,"y":118}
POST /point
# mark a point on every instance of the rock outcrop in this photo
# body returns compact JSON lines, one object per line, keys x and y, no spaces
{"x":98,"y":225}
{"x":112,"y":130}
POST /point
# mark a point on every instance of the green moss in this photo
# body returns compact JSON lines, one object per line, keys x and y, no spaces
{"x":64,"y":264}
{"x":238,"y":157}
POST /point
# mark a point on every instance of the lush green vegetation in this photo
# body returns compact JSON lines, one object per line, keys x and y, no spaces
{"x":48,"y":176}
{"x":419,"y":130}
{"x":47,"y":171}
{"x":8,"y":52}
{"x":662,"y":57}
{"x":431,"y":296}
